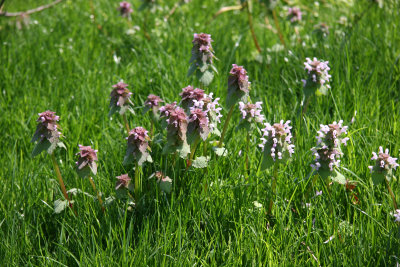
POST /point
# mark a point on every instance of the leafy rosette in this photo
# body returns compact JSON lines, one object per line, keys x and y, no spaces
{"x":153,"y":103}
{"x":328,"y":151}
{"x":213,"y":111}
{"x":86,"y":164}
{"x":384,"y":166}
{"x":189,"y":95}
{"x":138,"y":147}
{"x":251,"y":115}
{"x":202,"y":58}
{"x":318,"y":77}
{"x":238,"y":85}
{"x":198,"y":125}
{"x":47,"y":133}
{"x":176,"y":125}
{"x":120,"y":99}
{"x":276,"y":144}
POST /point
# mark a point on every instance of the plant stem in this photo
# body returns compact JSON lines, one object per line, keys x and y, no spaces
{"x":189,"y":162}
{"x":304,"y":110}
{"x":205,"y":149}
{"x":137,"y":183}
{"x":273,"y":188}
{"x":151,"y":129}
{"x":247,"y":154}
{"x":126,"y":123}
{"x":228,"y":118}
{"x":253,"y":34}
{"x":280,"y":35}
{"x":391,"y":194}
{"x":97,"y":193}
{"x":60,"y":180}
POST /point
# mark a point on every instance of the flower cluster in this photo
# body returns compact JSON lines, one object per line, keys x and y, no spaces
{"x":47,"y":133}
{"x":87,"y":161}
{"x":125,"y":9}
{"x":328,"y":150}
{"x":294,"y":14}
{"x":152,"y":102}
{"x":238,"y":85}
{"x":384,"y":165}
{"x":120,"y":98}
{"x":276,"y":145}
{"x":177,"y":124}
{"x":123,"y":181}
{"x":212,"y":109}
{"x":318,"y":75}
{"x":164,"y":182}
{"x":198,"y":125}
{"x":138,"y":146}
{"x":189,"y":95}
{"x":396,"y":215}
{"x":251,"y":112}
{"x":202,"y":58}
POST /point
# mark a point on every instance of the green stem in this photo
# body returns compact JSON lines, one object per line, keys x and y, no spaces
{"x":137,"y":183}
{"x":280,"y":35}
{"x":228,"y":118}
{"x":253,"y":34}
{"x":60,"y":180}
{"x":151,"y":129}
{"x":97,"y":193}
{"x":189,"y":162}
{"x":391,"y":194}
{"x":273,"y":188}
{"x":247,"y":154}
{"x":126,"y":123}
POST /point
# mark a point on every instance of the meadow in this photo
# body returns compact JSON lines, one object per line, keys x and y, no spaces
{"x":217,"y":212}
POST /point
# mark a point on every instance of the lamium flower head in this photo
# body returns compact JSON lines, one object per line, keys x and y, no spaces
{"x":198,"y":125}
{"x":167,"y":109}
{"x":396,"y":215}
{"x":294,"y":14}
{"x":276,"y":143}
{"x":251,"y":112}
{"x":120,"y":98}
{"x":328,"y":150}
{"x":125,"y":9}
{"x":86,"y":163}
{"x":138,"y":146}
{"x":47,"y":133}
{"x":202,"y":58}
{"x":212,"y":109}
{"x":238,"y":85}
{"x":164,"y":182}
{"x":123,"y":181}
{"x":318,"y":75}
{"x":177,"y":124}
{"x":321,"y":30}
{"x":152,"y":102}
{"x":384,"y":163}
{"x":189,"y":95}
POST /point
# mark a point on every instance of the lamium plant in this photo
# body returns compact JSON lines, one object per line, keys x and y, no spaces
{"x":47,"y":138}
{"x":125,"y":9}
{"x":120,"y":101}
{"x":294,"y":14}
{"x":277,"y":149}
{"x":328,"y":151}
{"x":86,"y":167}
{"x":189,"y":95}
{"x":383,"y":170}
{"x":153,"y":103}
{"x":202,"y":58}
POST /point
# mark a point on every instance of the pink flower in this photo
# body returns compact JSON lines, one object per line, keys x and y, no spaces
{"x":294,"y":14}
{"x":120,"y":98}
{"x":189,"y":95}
{"x":251,"y":112}
{"x":138,"y":146}
{"x":123,"y":181}
{"x":87,"y":158}
{"x":153,"y":101}
{"x":125,"y":9}
{"x":383,"y":161}
{"x":317,"y":71}
{"x":47,"y":132}
{"x":198,"y":124}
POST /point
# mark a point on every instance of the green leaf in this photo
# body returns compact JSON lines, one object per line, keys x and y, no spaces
{"x":267,"y":161}
{"x":220,"y":151}
{"x":192,"y":69}
{"x":60,"y":205}
{"x":338,"y":177}
{"x":109,"y":200}
{"x":200,"y":162}
{"x":205,"y":77}
{"x":41,"y":146}
{"x":377,"y":177}
{"x":166,"y":184}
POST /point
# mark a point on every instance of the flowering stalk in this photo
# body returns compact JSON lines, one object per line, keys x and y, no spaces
{"x":273,"y":188}
{"x":228,"y":118}
{"x":126,"y":123}
{"x":152,"y":103}
{"x":120,"y":101}
{"x":250,"y":20}
{"x":247,"y":154}
{"x":97,"y":193}
{"x":60,"y":180}
{"x":138,"y":183}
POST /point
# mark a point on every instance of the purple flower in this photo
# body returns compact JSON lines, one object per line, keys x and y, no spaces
{"x":317,"y":71}
{"x":123,"y":181}
{"x":120,"y":98}
{"x":384,"y":163}
{"x":202,"y":45}
{"x":47,"y":132}
{"x":87,"y":161}
{"x":294,"y":14}
{"x":251,"y":112}
{"x":167,"y":109}
{"x":177,"y":124}
{"x":396,"y":215}
{"x":138,"y":146}
{"x":125,"y":9}
{"x":189,"y":95}
{"x":238,"y":85}
{"x":152,"y":102}
{"x":276,"y":142}
{"x":198,"y":124}
{"x":212,"y":109}
{"x":329,"y":140}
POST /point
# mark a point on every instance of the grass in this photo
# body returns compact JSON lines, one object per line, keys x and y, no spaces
{"x":61,"y":61}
